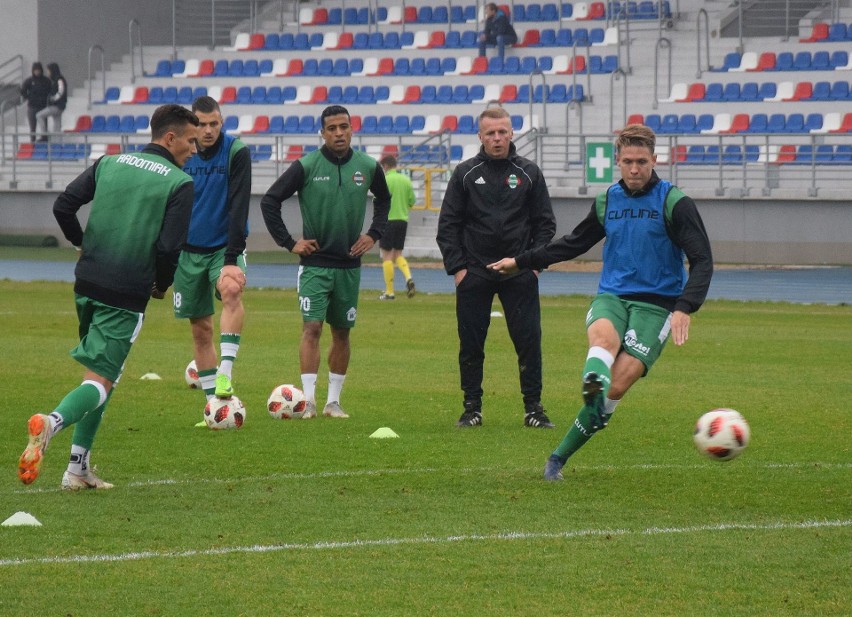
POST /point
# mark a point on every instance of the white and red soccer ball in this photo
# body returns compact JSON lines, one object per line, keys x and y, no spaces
{"x":286,"y":402}
{"x":191,"y":375}
{"x":224,"y":413}
{"x":721,"y":434}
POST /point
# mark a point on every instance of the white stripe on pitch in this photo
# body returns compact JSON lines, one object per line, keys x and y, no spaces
{"x":497,"y":537}
{"x":814,"y":466}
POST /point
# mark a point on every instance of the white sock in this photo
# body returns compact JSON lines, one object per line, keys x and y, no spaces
{"x":335,"y":386}
{"x":610,"y":405}
{"x":79,"y":461}
{"x":56,"y":423}
{"x":309,"y":386}
{"x":226,"y":367}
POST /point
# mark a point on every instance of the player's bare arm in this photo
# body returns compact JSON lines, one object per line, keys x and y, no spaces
{"x":680,"y":327}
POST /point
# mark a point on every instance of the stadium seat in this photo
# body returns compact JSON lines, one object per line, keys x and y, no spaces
{"x":795,"y":123}
{"x":699,"y":92}
{"x":784,"y":92}
{"x":732,"y":61}
{"x":841,"y":61}
{"x":382,"y":94}
{"x":83,"y":124}
{"x":813,"y":122}
{"x":669,"y":124}
{"x":654,"y":122}
{"x":307,"y":125}
{"x":732,"y":92}
{"x":785,"y":61}
{"x":467,"y":125}
{"x":749,"y":92}
{"x":531,"y":38}
{"x":243,"y":95}
{"x":739,"y":124}
{"x":748,"y":62}
{"x":687,"y":124}
{"x":679,"y":93}
{"x":819,"y":32}
{"x":766,"y":61}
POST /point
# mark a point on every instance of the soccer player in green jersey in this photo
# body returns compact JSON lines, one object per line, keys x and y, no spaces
{"x":141,"y":205}
{"x":332,"y":184}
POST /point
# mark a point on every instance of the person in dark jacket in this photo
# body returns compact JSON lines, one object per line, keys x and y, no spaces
{"x":496,"y":203}
{"x":55,"y":102}
{"x":141,"y":206}
{"x":644,"y":296}
{"x":498,"y":31}
{"x":35,"y":90}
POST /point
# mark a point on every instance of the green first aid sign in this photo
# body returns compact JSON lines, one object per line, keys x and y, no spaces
{"x":599,"y":162}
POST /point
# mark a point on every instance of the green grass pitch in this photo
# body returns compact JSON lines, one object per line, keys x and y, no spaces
{"x":314,"y":518}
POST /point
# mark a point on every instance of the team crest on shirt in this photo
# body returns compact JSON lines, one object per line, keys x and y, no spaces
{"x":358,"y":178}
{"x":513,"y":181}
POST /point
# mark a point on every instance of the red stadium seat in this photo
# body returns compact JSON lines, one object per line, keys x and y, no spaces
{"x":480,"y":65}
{"x":320,"y":16}
{"x":410,"y":16}
{"x":205,"y":68}
{"x":25,"y":151}
{"x":293,"y":152}
{"x":739,"y":124}
{"x":766,"y":62}
{"x":257,"y":41}
{"x":786,"y":154}
{"x":635,"y":119}
{"x":84,"y":124}
{"x":229,"y":95}
{"x":678,"y":154}
{"x":803,"y":92}
{"x":437,"y":38}
{"x":412,"y":95}
{"x":819,"y":33}
{"x":846,"y":125}
{"x":355,"y":123}
{"x":577,"y":65}
{"x":261,"y":125}
{"x":295,"y":67}
{"x":345,"y":41}
{"x":140,"y":95}
{"x":696,"y":92}
{"x":449,"y":123}
{"x":509,"y":93}
{"x":532,"y":37}
{"x":385,"y":66}
{"x":320,"y":95}
{"x":597,"y":10}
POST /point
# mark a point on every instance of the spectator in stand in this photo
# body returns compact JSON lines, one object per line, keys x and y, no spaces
{"x":35,"y":90}
{"x":56,"y":102}
{"x":498,"y":31}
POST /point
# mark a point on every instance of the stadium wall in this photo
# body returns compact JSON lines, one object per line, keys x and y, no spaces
{"x":743,"y":231}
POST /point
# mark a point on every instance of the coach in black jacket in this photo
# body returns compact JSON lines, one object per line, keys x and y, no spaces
{"x":496,"y":204}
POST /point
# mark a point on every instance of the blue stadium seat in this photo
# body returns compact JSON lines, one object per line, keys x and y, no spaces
{"x":164,"y":69}
{"x":461,"y":94}
{"x":440,"y":15}
{"x":776,"y":124}
{"x":385,"y":124}
{"x":467,"y":125}
{"x":400,"y":125}
{"x":350,"y":95}
{"x":382,"y":93}
{"x":549,"y":12}
{"x":243,"y":95}
{"x":704,"y":122}
{"x":433,"y":66}
{"x":335,"y":95}
{"x":307,"y":125}
{"x":768,"y":90}
{"x":714,"y":93}
{"x":325,"y":67}
{"x":528,"y":64}
{"x":839,"y":58}
{"x":843,"y":154}
{"x":361,"y":40}
{"x":366,"y":95}
{"x":286,"y":41}
{"x":356,"y":65}
{"x":824,"y":154}
{"x":272,"y":41}
{"x":596,"y":36}
{"x":448,"y":65}
{"x":512,"y":65}
{"x":838,"y":32}
{"x":576,"y":93}
{"x":813,"y":122}
{"x":369,"y":124}
{"x":140,"y":123}
{"x":564,"y":37}
{"x":452,"y":40}
{"x":220,"y":69}
{"x":127,"y":124}
{"x":669,"y":124}
{"x":545,"y":63}
{"x":694,"y":155}
{"x":401,"y":67}
{"x":392,"y":40}
{"x":687,"y":124}
{"x":258,"y":95}
{"x":749,"y":92}
{"x":495,"y":66}
{"x":533,"y":12}
{"x":264,"y":67}
{"x":231,"y":123}
{"x":155,"y":95}
{"x":821,"y":61}
{"x":610,"y":63}
{"x":444,"y":95}
{"x":340,"y":68}
{"x":732,"y":92}
{"x":428,"y":94}
{"x":406,"y":39}
{"x":732,"y":61}
{"x":759,"y":123}
{"x":476,"y":92}
{"x":235,"y":68}
{"x":517,"y":122}
{"x":418,"y":67}
{"x":291,"y":124}
{"x":288,"y":93}
{"x":558,"y":94}
{"x":581,"y":37}
{"x":840,"y":91}
{"x":654,"y":122}
{"x":469,"y":39}
{"x":335,"y":16}
{"x":315,"y":40}
{"x":547,"y":38}
{"x":519,"y":13}
{"x":821,"y":91}
{"x":251,"y":68}
{"x":456,"y":14}
{"x":795,"y":123}
{"x":523,"y":94}
{"x":377,"y":40}
{"x":784,"y":61}
{"x":274,"y":95}
{"x":301,"y":42}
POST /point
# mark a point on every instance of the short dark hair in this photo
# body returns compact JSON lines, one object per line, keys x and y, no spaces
{"x":171,"y":118}
{"x":389,"y":161}
{"x":206,"y":105}
{"x":333,"y":110}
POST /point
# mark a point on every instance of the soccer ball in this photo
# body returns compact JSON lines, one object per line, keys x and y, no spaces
{"x":191,"y":376}
{"x":286,"y":402}
{"x":224,"y":413}
{"x":721,"y":434}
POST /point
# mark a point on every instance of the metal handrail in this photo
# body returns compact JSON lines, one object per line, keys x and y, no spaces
{"x":89,"y":73}
{"x":130,"y":29}
{"x":662,"y":43}
{"x":612,"y":78}
{"x":543,"y":127}
{"x":698,"y":17}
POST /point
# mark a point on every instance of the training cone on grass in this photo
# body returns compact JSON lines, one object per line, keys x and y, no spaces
{"x":21,"y":519}
{"x":151,"y":376}
{"x":383,"y":433}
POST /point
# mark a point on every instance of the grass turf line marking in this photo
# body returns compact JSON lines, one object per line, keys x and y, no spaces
{"x":425,"y":540}
{"x":428,"y":470}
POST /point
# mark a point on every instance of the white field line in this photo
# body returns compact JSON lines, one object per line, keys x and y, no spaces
{"x":426,"y":540}
{"x":363,"y":473}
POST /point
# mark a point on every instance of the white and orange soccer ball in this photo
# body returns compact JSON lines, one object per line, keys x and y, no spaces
{"x":721,"y":434}
{"x":191,"y":375}
{"x":224,"y":413}
{"x":286,"y":402}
